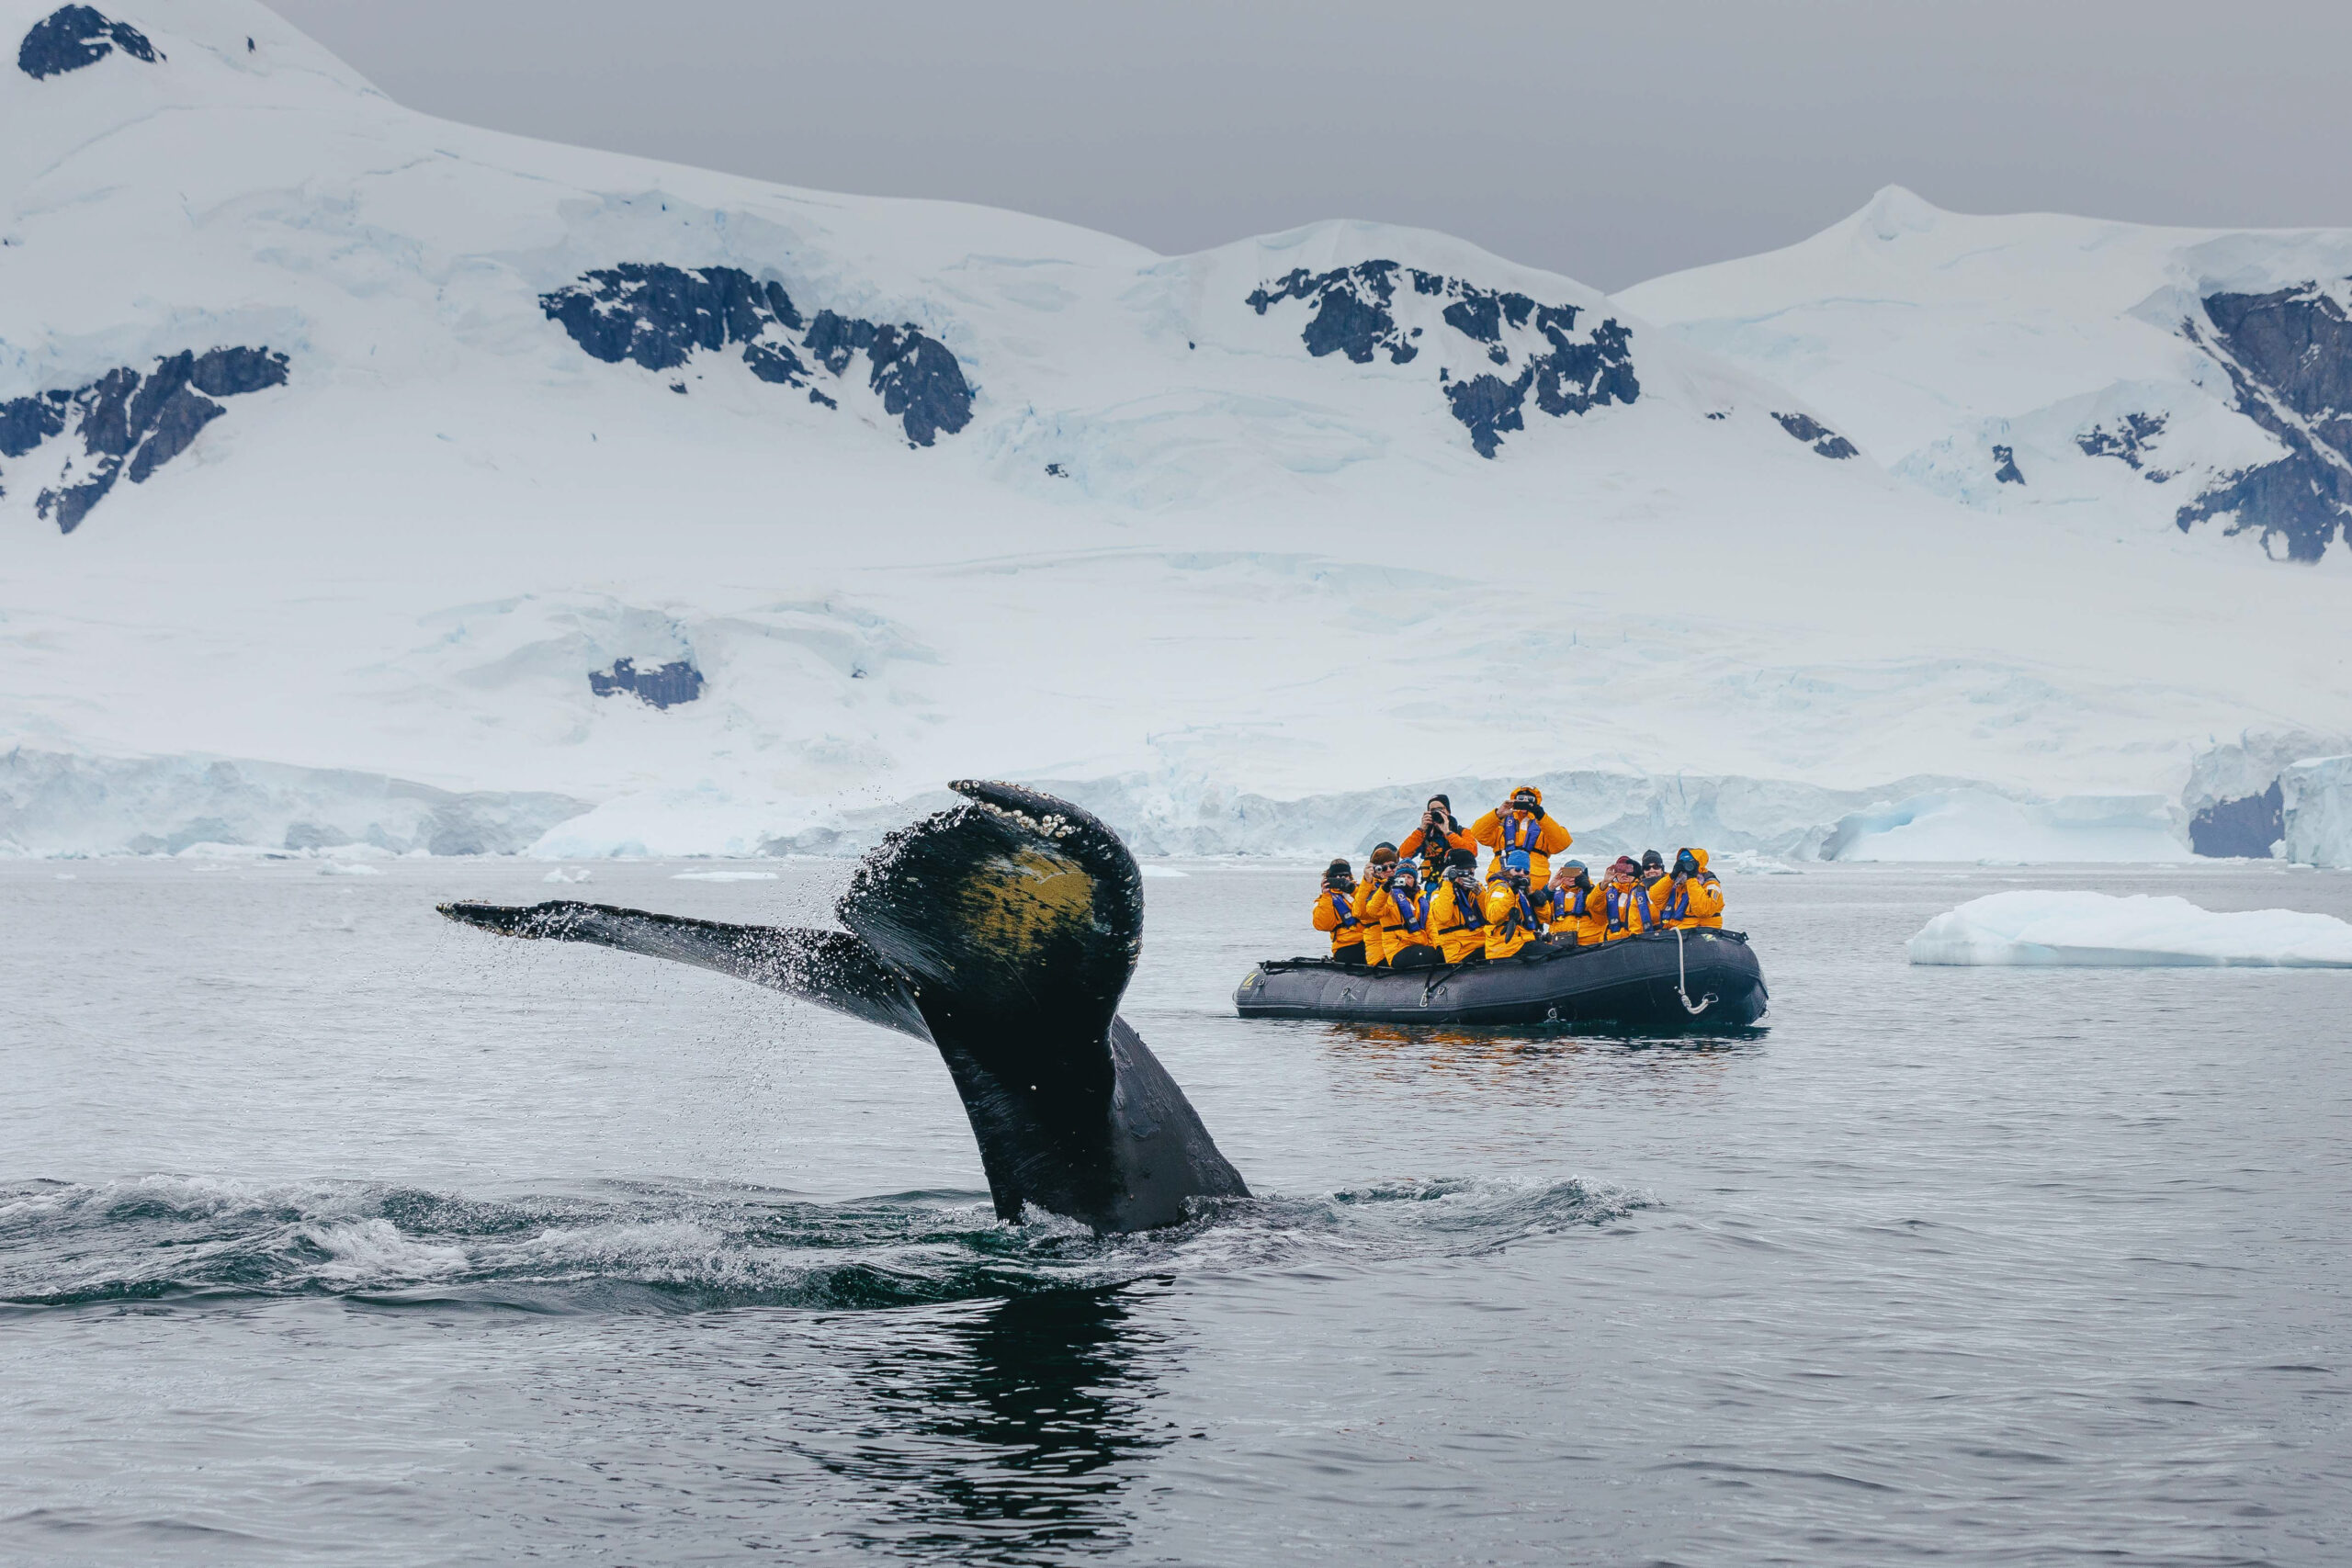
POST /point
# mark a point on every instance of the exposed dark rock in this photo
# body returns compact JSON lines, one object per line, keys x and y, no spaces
{"x":1489,"y":405}
{"x":2007,"y":472}
{"x":1354,"y":315}
{"x":2129,"y":442}
{"x":1817,"y":435}
{"x":1055,"y":471}
{"x":26,"y":423}
{"x":1351,"y":315}
{"x":2246,"y":826}
{"x":657,"y":316}
{"x":73,"y":36}
{"x":2288,"y":355}
{"x":130,"y":422}
{"x":675,"y":683}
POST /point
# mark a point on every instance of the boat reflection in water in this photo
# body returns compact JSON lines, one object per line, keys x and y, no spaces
{"x":1014,"y":1430}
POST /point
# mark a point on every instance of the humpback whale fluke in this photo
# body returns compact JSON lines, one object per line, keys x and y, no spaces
{"x":1003,"y":930}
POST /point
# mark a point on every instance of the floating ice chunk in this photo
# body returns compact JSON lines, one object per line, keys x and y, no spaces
{"x":2098,"y":929}
{"x":562,"y":874}
{"x":1747,"y":862}
{"x":339,"y":868}
{"x":1162,"y":871}
{"x":721,"y":876}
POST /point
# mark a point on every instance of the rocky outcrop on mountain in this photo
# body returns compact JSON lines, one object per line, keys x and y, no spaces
{"x":658,"y":316}
{"x":2005,"y":471}
{"x":75,"y":36}
{"x":664,"y":686}
{"x":1817,"y":435}
{"x":129,"y":423}
{"x":2131,"y":442}
{"x":1366,"y":310}
{"x":2288,"y":355}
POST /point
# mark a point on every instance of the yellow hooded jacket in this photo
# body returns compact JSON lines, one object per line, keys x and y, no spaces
{"x":1336,"y":912}
{"x":1461,"y":928}
{"x":1698,"y":902}
{"x":1507,"y":927}
{"x":1399,"y":927}
{"x":1581,"y":911}
{"x":1503,"y":831}
{"x":1625,"y":910}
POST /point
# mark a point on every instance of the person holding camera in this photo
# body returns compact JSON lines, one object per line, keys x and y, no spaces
{"x":1577,"y":906}
{"x":1693,"y":899}
{"x":1377,"y":869}
{"x":1334,"y":911}
{"x":1457,"y":910}
{"x":1402,"y":912}
{"x":1517,"y":908}
{"x":1518,"y":825}
{"x":1624,"y":902}
{"x":1435,"y":838}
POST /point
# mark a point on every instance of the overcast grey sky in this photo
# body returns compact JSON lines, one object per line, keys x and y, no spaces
{"x":1611,"y":142}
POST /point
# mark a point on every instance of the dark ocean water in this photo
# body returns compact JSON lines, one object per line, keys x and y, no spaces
{"x":332,"y":1233}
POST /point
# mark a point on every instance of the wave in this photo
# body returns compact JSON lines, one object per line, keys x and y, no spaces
{"x":617,"y":1246}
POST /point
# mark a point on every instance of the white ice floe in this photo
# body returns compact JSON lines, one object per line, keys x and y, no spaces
{"x":1161,"y":871}
{"x":344,"y":868}
{"x":2098,"y":929}
{"x":723,"y":877}
{"x":563,"y":873}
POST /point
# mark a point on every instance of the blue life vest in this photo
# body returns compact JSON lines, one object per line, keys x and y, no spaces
{"x":1415,"y":911}
{"x":1532,"y":826}
{"x":1345,"y":910}
{"x":1465,"y":906}
{"x":1620,"y":904}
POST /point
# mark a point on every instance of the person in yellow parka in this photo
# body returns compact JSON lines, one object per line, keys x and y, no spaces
{"x":1578,"y":903}
{"x":1520,"y":824}
{"x":1334,"y":911}
{"x":1403,"y":912}
{"x":1377,"y":869}
{"x":1624,"y":902}
{"x":1515,"y":907}
{"x":1654,"y":877}
{"x":1457,"y":914}
{"x":1695,"y":898}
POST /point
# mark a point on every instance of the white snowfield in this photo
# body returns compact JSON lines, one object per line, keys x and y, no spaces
{"x":1241,"y":594}
{"x":2087,"y":351}
{"x":2100,"y":930}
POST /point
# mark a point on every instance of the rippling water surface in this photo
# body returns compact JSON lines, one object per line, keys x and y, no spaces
{"x":330,"y":1232}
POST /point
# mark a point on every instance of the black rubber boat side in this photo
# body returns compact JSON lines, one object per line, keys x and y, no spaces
{"x":1650,"y":983}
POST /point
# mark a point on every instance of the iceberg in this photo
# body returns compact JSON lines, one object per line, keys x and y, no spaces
{"x":2143,"y":930}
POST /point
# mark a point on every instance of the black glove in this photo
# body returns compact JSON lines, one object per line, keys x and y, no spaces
{"x":1536,"y":811}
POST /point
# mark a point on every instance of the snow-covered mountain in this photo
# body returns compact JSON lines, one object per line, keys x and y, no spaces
{"x":2125,"y":375}
{"x":366,"y":476}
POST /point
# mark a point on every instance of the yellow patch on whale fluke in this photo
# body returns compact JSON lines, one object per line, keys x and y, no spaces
{"x":1012,"y":905}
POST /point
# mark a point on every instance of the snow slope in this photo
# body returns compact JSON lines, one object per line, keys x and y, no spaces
{"x":736,"y":513}
{"x":2107,"y":377}
{"x":2101,"y":931}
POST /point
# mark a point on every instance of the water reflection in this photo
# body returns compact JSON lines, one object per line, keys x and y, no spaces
{"x":1524,"y":1066}
{"x":1005,"y":1436}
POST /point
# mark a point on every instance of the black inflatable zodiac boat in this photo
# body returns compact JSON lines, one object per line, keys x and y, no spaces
{"x":1663,"y":982}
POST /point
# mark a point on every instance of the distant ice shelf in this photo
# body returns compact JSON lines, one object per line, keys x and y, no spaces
{"x":2101,"y":931}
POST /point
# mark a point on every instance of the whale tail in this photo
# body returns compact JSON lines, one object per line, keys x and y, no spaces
{"x":1003,"y":930}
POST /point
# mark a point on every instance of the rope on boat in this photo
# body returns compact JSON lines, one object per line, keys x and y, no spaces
{"x":1682,"y":978}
